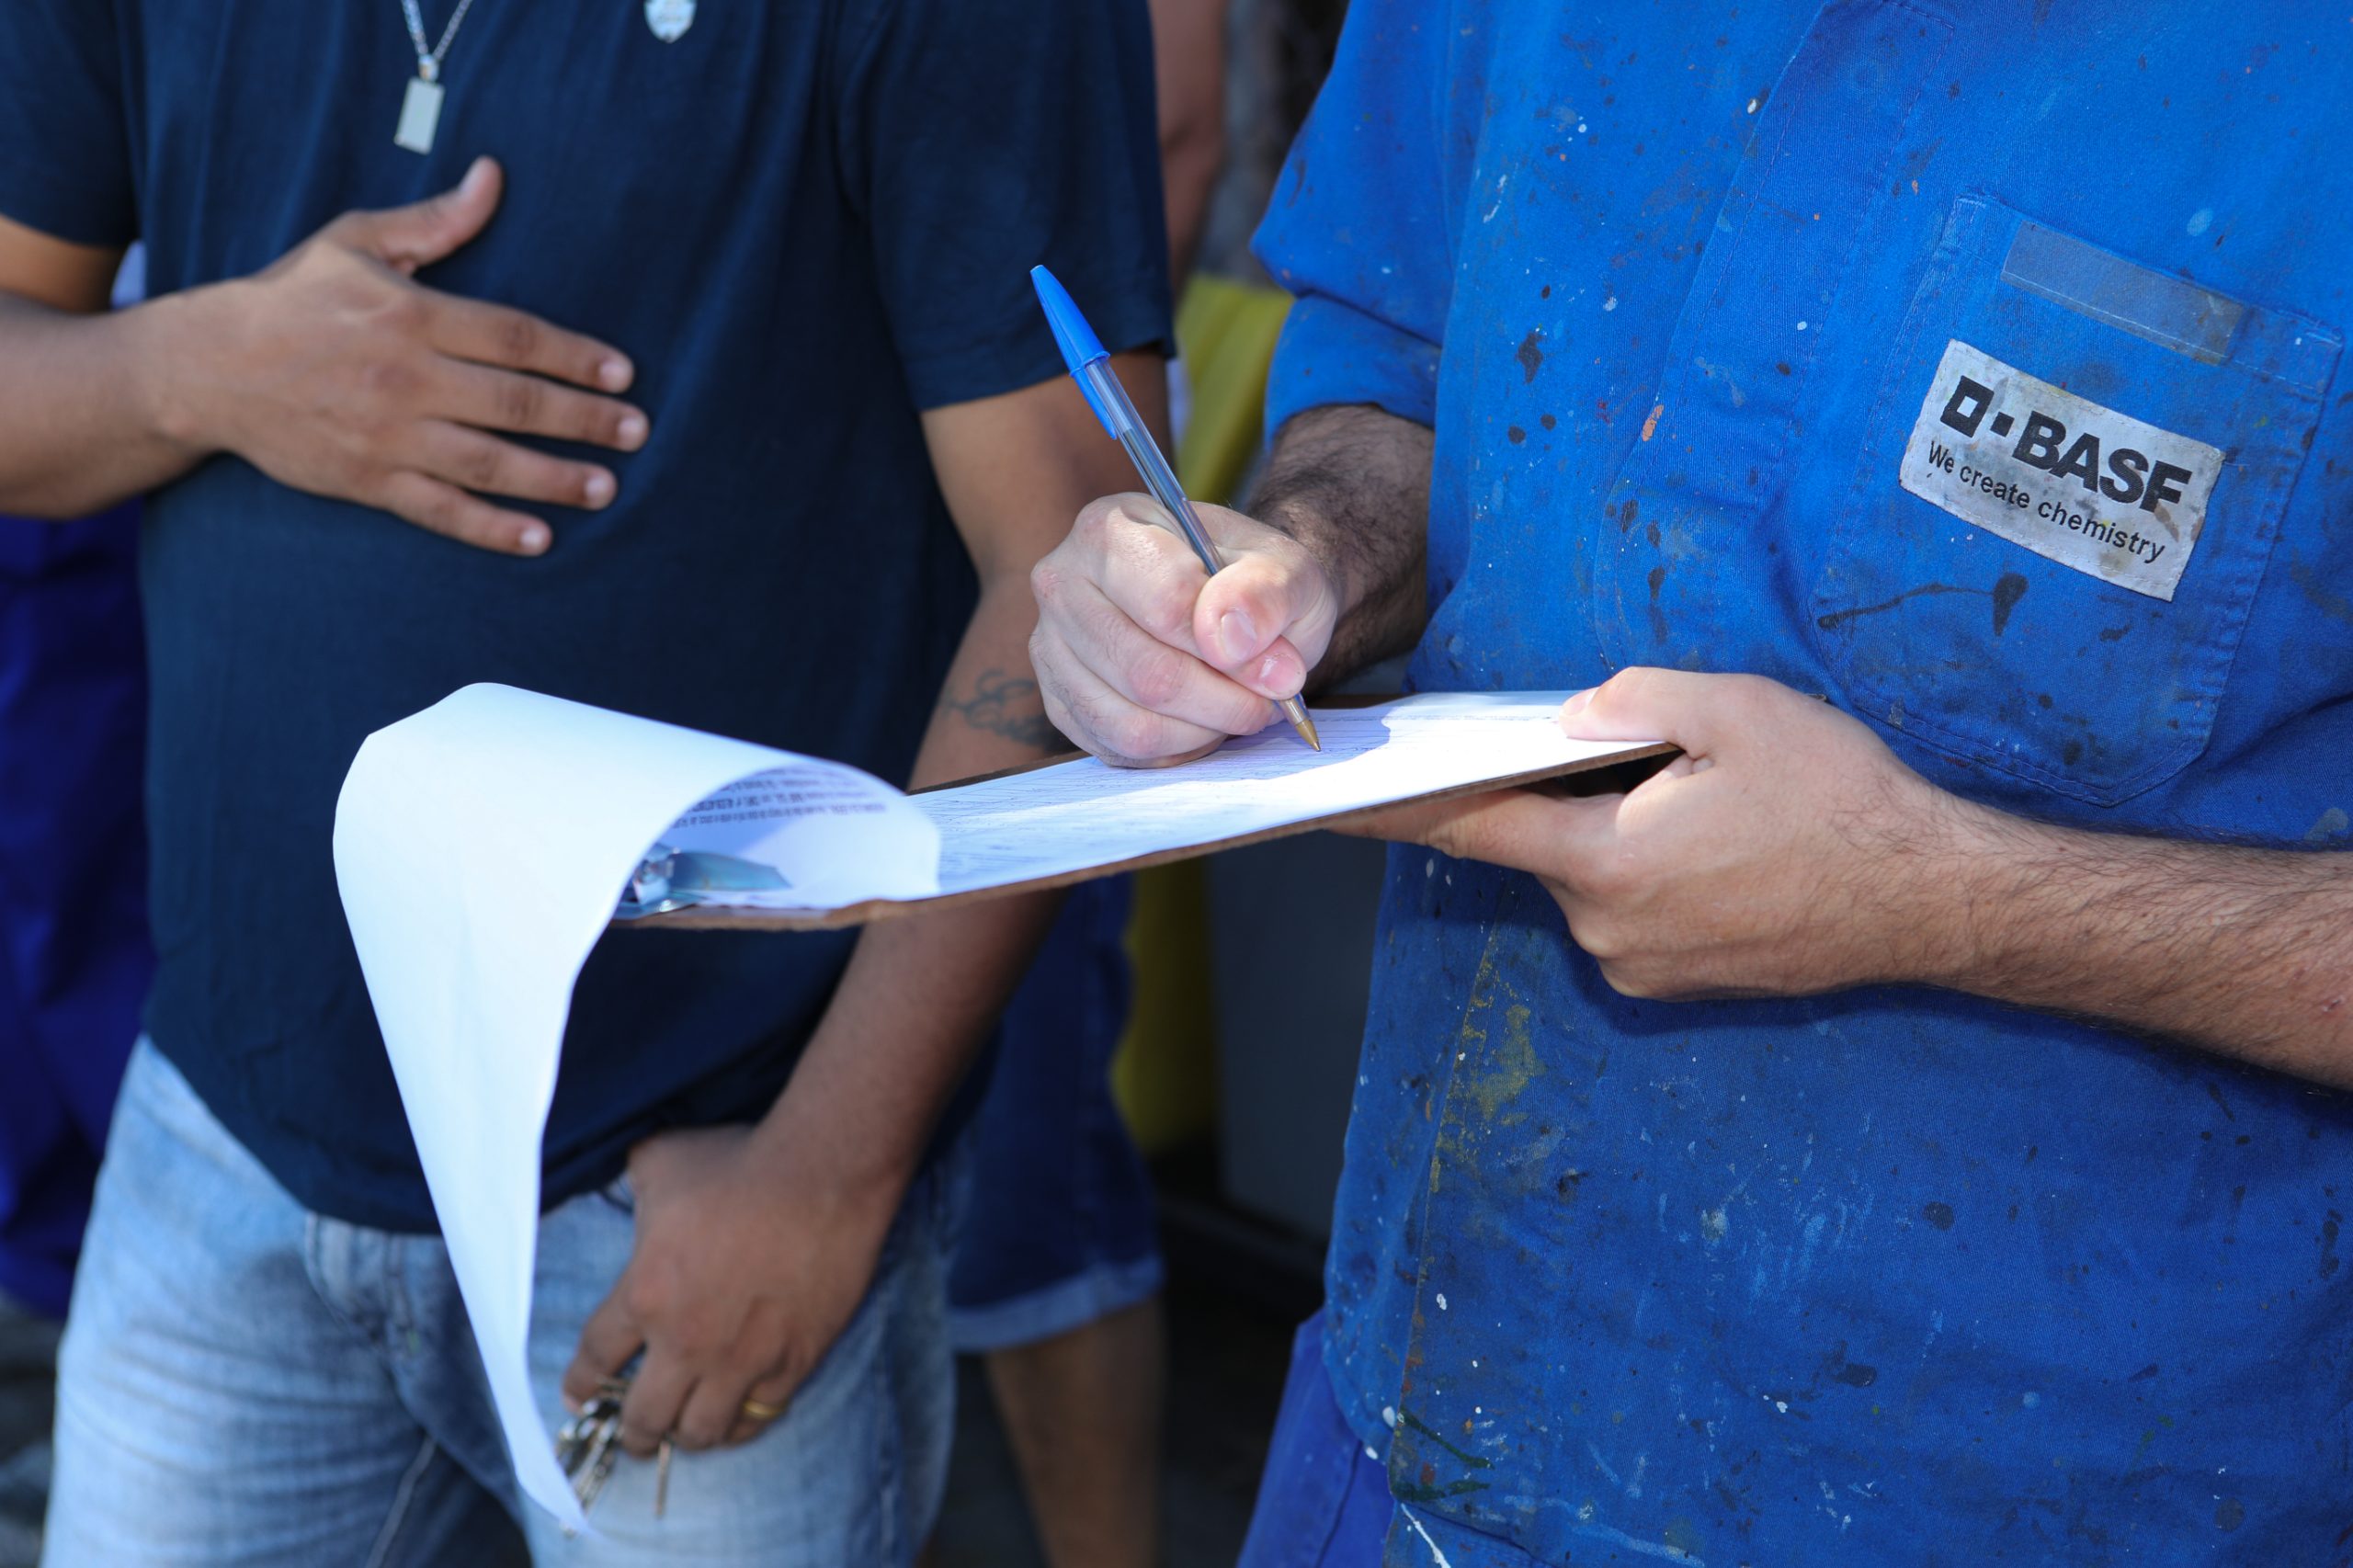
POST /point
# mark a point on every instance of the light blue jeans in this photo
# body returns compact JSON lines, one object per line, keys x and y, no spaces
{"x":244,"y":1382}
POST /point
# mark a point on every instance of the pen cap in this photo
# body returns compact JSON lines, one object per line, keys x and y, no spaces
{"x":1077,"y":341}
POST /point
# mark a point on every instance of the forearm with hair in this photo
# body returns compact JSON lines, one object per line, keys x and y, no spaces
{"x":1352,"y":485}
{"x":2244,"y":952}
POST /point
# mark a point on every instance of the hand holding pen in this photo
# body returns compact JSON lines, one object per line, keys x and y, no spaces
{"x":1232,"y":631}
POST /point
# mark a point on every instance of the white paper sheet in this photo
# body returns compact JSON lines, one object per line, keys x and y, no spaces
{"x":480,"y":847}
{"x":1078,"y":815}
{"x":834,"y":833}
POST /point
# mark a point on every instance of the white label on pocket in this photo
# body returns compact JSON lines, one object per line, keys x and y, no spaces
{"x":2085,"y":486}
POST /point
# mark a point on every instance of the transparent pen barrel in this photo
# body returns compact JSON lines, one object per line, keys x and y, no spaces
{"x":1161,"y":480}
{"x":1144,"y":452}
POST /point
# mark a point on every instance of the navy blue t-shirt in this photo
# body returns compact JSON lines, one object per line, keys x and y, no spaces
{"x":806,"y":224}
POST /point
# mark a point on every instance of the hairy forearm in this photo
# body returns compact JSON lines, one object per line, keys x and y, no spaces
{"x":85,"y":399}
{"x":1352,"y":485}
{"x":2244,"y":952}
{"x":922,"y":991}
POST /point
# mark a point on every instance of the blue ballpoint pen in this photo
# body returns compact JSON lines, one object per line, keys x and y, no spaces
{"x":1090,"y":367}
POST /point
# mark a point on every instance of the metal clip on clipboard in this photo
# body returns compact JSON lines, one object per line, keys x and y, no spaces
{"x":669,"y":879}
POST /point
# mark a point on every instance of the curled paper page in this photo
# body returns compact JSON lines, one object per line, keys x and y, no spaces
{"x":480,"y":847}
{"x":483,"y":846}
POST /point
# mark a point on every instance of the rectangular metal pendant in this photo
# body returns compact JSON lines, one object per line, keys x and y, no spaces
{"x":420,"y":112}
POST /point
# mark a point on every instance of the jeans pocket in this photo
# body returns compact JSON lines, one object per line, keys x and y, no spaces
{"x":2074,"y":473}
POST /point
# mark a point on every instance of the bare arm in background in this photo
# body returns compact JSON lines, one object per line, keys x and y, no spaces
{"x":1188,"y":54}
{"x":333,"y":371}
{"x":755,"y":1245}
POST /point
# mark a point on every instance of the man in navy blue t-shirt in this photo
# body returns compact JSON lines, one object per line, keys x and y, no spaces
{"x":679,"y":358}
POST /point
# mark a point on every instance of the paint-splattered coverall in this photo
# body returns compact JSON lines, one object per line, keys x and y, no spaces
{"x":1887,"y":1276}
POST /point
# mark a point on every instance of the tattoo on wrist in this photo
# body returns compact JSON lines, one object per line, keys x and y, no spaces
{"x":1006,"y":705}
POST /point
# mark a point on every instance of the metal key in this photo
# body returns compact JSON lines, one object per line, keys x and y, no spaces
{"x":574,"y":1439}
{"x":602,"y":1459}
{"x":588,"y":1447}
{"x":591,"y":1482}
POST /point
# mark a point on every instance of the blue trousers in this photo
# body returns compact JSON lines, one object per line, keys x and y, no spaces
{"x":1059,"y":1228}
{"x":74,"y":955}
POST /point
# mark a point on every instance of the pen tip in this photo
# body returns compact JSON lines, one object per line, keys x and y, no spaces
{"x":1296,"y":711}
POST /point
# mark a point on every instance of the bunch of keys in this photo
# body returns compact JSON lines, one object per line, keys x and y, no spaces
{"x":589,"y":1446}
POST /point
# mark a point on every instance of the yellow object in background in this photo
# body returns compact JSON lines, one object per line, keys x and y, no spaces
{"x":1164,"y":1073}
{"x":1226,"y":332}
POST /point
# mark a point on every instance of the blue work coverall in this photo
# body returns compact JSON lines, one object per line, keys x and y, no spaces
{"x":1769,"y":338}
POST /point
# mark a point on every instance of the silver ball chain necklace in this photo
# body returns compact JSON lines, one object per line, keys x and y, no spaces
{"x":421,"y":108}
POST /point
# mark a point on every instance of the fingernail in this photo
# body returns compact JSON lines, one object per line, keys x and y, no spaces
{"x":476,"y":172}
{"x":614,"y":372}
{"x":1276,"y":674}
{"x":632,"y":431}
{"x":600,"y":488}
{"x":1576,"y":702}
{"x":533,"y":539}
{"x":1236,"y":636}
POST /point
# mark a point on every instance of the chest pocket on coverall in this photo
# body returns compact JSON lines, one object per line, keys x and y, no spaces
{"x":1995,"y":653}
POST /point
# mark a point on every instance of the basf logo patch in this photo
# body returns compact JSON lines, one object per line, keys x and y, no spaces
{"x":2090,"y":488}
